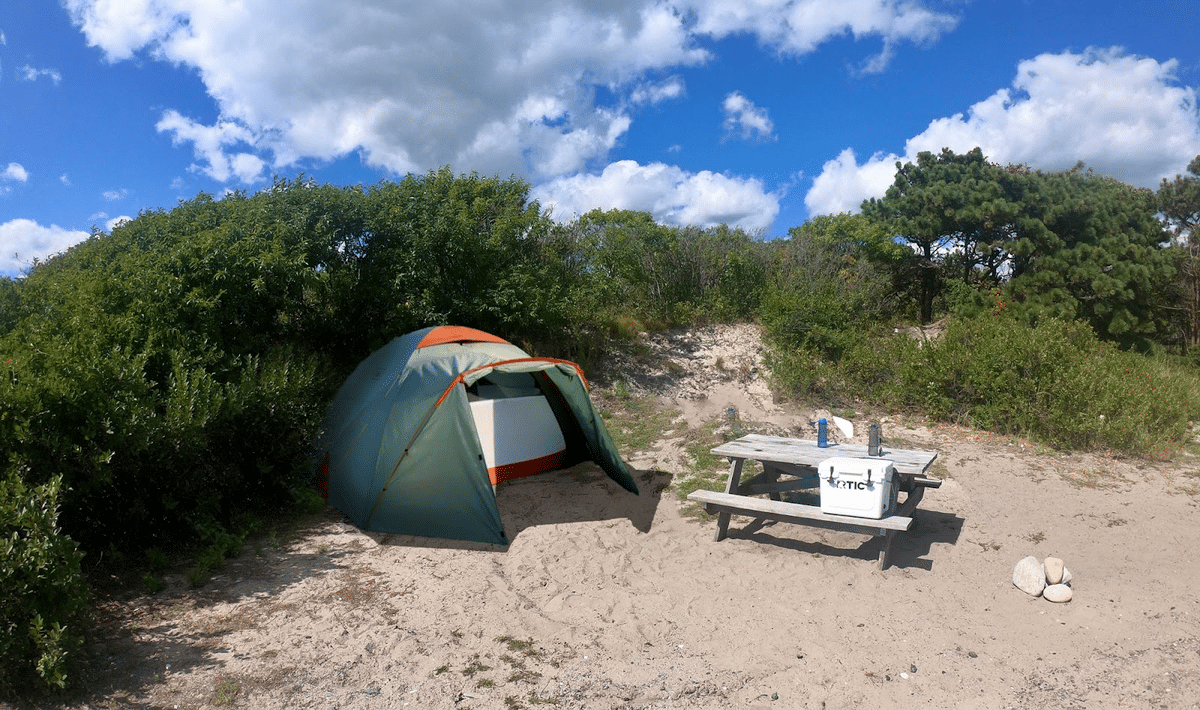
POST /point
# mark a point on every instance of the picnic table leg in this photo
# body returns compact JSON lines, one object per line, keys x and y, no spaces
{"x":731,"y":487}
{"x":887,"y":545}
{"x":771,"y":475}
{"x":907,"y":509}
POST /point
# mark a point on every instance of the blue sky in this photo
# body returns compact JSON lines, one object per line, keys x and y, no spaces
{"x":754,"y":113}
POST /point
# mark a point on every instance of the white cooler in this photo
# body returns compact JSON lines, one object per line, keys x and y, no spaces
{"x":864,"y":488}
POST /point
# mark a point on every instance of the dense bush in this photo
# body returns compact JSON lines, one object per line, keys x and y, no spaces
{"x":832,"y":284}
{"x":622,"y":266}
{"x":43,"y":595}
{"x":1055,"y":382}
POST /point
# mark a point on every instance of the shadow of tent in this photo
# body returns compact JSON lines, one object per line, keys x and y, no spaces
{"x":581,"y":493}
{"x":910,"y":550}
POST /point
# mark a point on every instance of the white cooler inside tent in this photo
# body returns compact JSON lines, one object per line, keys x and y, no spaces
{"x":519,"y":435}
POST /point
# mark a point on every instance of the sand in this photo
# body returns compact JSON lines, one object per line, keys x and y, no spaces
{"x":607,"y":600}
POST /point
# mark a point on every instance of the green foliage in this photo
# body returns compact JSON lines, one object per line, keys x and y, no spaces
{"x":1055,"y":382}
{"x":43,"y":595}
{"x":832,"y":283}
{"x":622,"y":265}
{"x":464,"y":250}
{"x":10,"y":304}
{"x":1068,"y":245}
{"x":949,"y":204}
{"x":1179,"y":202}
{"x":1096,"y":256}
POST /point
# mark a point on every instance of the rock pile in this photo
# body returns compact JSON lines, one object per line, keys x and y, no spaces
{"x":1049,"y":578}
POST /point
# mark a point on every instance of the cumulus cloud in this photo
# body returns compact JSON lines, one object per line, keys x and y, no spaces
{"x":498,"y":88}
{"x":15,"y":172}
{"x":114,"y":195}
{"x":672,"y":195}
{"x":23,"y":240}
{"x":744,"y":118}
{"x":800,"y":26}
{"x":1124,"y":116}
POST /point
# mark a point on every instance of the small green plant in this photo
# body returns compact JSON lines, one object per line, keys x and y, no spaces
{"x":308,"y":501}
{"x":485,"y":683}
{"x":222,"y":545}
{"x":152,"y":583}
{"x":226,"y":692}
{"x":157,"y":560}
{"x":518,"y":646}
{"x":475,"y":666}
{"x":441,"y":669}
{"x":621,"y":390}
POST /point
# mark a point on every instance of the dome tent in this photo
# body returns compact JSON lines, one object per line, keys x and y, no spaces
{"x":400,"y":447}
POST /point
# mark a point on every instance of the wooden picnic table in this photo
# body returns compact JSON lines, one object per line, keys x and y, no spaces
{"x":798,"y":459}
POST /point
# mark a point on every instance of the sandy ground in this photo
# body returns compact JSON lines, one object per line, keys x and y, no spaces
{"x":609,"y":600}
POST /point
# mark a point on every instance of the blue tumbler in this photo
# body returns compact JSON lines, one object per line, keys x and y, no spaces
{"x":822,"y":433}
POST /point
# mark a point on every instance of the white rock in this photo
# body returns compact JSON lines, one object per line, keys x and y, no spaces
{"x":1029,"y":576}
{"x":1058,"y":593}
{"x":1066,"y":577}
{"x":1054,"y":570}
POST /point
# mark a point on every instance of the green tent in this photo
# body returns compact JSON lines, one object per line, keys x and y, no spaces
{"x":400,"y":449}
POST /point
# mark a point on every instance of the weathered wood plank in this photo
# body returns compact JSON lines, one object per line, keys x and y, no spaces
{"x":805,"y":452}
{"x":793,"y":484}
{"x":726,"y":504}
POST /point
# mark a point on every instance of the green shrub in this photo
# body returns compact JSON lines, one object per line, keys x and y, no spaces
{"x":1055,"y":382}
{"x":43,"y":595}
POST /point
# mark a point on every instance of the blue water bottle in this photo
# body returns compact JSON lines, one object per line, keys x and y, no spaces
{"x":822,"y":433}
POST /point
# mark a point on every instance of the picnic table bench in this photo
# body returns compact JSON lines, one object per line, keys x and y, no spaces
{"x":798,"y":459}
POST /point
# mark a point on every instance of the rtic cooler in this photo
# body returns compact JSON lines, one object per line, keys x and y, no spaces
{"x":864,"y":488}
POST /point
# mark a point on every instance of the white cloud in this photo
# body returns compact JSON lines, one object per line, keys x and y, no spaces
{"x":653,"y":93}
{"x":29,"y":73}
{"x":493,"y":87}
{"x":743,"y":117}
{"x":210,"y":144}
{"x":65,"y":179}
{"x":672,"y":195}
{"x":800,"y":26}
{"x":114,"y":195}
{"x":1124,"y":116}
{"x":23,"y":240}
{"x":15,"y":172}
